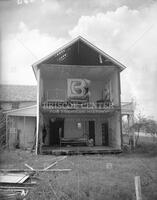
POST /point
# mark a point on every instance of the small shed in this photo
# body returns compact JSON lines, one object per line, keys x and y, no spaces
{"x":21,"y":127}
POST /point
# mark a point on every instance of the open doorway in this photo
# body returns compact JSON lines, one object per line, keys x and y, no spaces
{"x":105,"y":134}
{"x":56,"y":131}
{"x":92,"y":131}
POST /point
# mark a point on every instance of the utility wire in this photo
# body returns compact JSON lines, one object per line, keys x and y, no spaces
{"x":25,"y":47}
{"x":138,"y":39}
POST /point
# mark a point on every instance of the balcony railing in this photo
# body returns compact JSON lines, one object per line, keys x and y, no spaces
{"x":55,"y":94}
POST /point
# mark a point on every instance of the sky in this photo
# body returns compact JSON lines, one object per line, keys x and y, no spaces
{"x":125,"y":29}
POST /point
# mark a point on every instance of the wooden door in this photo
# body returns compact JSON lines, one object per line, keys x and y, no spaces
{"x":105,"y":136}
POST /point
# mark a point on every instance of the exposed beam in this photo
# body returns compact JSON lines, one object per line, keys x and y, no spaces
{"x":65,"y":66}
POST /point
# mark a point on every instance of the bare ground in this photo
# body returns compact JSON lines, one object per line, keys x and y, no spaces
{"x":96,"y":177}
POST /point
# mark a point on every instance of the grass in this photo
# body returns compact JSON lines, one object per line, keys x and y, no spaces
{"x":94,"y":177}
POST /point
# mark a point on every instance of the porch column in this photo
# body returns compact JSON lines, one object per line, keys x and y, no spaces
{"x":37,"y":146}
{"x":132,"y":133}
{"x":7,"y":134}
{"x":24,"y":125}
{"x":130,"y":118}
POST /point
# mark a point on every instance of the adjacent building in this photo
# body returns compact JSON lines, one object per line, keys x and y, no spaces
{"x":18,"y":115}
{"x":17,"y":96}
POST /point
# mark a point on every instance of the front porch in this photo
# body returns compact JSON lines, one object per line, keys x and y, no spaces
{"x":79,"y":150}
{"x":80,"y":133}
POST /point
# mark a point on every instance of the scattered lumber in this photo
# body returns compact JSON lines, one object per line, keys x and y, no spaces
{"x":13,"y":186}
{"x":20,"y":194}
{"x":16,"y":185}
{"x":12,"y":181}
{"x":34,"y":170}
{"x":13,"y":177}
{"x":29,"y":166}
{"x":51,"y":165}
{"x":138,"y":188}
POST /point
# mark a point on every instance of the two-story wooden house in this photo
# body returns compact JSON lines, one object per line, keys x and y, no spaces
{"x":78,"y":97}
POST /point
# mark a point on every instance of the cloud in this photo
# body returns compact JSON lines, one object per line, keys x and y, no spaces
{"x":50,"y":7}
{"x":21,"y":50}
{"x":128,"y":35}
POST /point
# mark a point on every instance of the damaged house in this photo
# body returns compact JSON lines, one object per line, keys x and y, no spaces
{"x":78,"y":98}
{"x":78,"y":102}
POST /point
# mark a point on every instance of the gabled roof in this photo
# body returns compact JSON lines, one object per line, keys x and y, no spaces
{"x":16,"y":93}
{"x":78,"y":48}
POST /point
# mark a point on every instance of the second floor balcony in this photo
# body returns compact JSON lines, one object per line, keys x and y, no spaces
{"x":56,"y":101}
{"x":78,"y":107}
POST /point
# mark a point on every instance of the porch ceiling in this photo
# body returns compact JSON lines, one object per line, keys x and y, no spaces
{"x":57,"y":72}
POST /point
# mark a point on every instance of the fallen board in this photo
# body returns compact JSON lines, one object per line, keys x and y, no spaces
{"x":35,"y":170}
{"x":13,"y":178}
{"x":16,"y":185}
{"x":13,"y":194}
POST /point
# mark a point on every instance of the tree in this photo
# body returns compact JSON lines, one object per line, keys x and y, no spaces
{"x":144,"y":124}
{"x":151,"y":127}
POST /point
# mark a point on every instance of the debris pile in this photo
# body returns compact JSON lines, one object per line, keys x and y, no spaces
{"x":15,"y":184}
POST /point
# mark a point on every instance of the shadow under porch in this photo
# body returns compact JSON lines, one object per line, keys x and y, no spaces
{"x":79,"y":150}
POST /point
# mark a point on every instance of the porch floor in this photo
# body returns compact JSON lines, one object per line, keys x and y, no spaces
{"x":76,"y":150}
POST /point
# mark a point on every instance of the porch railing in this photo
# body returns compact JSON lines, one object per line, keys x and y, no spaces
{"x":55,"y":95}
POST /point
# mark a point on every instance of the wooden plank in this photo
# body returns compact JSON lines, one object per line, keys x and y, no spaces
{"x":28,"y":166}
{"x":50,"y":66}
{"x":138,"y":188}
{"x":55,"y":163}
{"x":13,"y":194}
{"x":35,"y":170}
{"x":51,"y":165}
{"x":24,"y":122}
{"x":13,"y":178}
{"x":16,"y":185}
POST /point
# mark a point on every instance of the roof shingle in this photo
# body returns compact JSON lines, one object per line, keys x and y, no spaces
{"x":10,"y":93}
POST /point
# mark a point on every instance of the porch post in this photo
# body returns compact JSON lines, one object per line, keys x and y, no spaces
{"x":24,"y":121}
{"x":133,"y":131}
{"x":128,"y":118}
{"x":7,"y":135}
{"x":120,"y":117}
{"x":38,"y":112}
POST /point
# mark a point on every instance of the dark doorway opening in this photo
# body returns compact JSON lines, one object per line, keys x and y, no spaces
{"x":56,"y":131}
{"x":92,"y":131}
{"x":105,"y":136}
